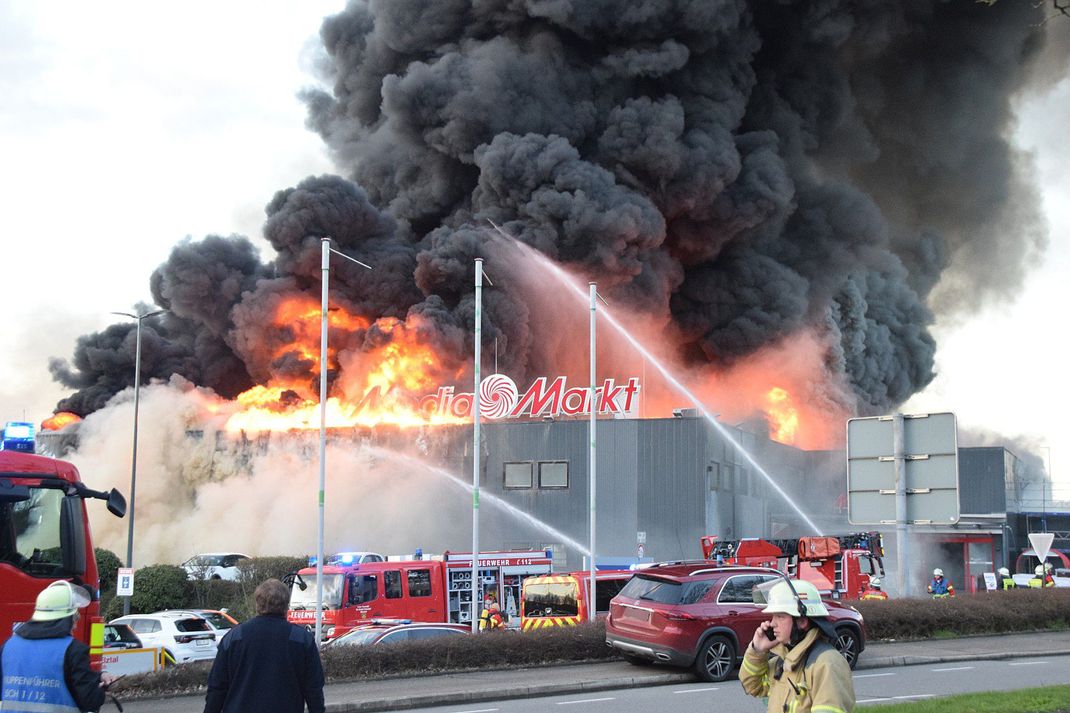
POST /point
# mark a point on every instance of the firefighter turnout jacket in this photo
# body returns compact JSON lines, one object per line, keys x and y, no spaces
{"x":811,"y":677}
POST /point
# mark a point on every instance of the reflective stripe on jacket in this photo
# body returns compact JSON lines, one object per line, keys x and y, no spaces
{"x":1008,"y":583}
{"x":33,"y":676}
{"x":820,"y":685}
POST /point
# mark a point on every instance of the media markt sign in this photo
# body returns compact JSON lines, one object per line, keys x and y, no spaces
{"x":499,"y":397}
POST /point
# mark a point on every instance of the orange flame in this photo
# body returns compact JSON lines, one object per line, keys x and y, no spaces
{"x":59,"y":421}
{"x":783,"y":416}
{"x":373,"y":386}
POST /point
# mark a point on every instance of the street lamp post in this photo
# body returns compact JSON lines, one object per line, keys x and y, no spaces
{"x":325,"y":270}
{"x":133,"y":460}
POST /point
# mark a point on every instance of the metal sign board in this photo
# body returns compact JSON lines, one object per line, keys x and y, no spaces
{"x":1041,"y":542}
{"x":124,"y":585}
{"x":930,"y":455}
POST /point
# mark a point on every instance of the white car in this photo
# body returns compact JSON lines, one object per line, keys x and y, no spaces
{"x":347,"y":558}
{"x":183,"y":636}
{"x":214,"y":565}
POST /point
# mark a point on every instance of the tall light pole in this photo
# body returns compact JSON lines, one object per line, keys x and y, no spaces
{"x":133,"y":460}
{"x":591,"y":613}
{"x":325,"y":270}
{"x":475,"y":440}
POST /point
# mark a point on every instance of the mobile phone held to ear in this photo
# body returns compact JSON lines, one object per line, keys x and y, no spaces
{"x":769,"y":634}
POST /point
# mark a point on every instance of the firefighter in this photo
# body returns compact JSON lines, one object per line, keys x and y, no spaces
{"x":874,"y":591}
{"x":940,"y":587}
{"x":1005,"y":580}
{"x":491,"y":616}
{"x":44,"y":668}
{"x":791,"y":660}
{"x":1042,"y":578}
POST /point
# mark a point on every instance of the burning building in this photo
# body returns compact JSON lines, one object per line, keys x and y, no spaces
{"x":776,"y":198}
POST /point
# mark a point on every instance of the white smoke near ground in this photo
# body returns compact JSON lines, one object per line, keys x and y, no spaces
{"x":202,"y":490}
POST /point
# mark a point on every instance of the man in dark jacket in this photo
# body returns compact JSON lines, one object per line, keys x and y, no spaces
{"x":42,"y":665}
{"x":267,"y":664}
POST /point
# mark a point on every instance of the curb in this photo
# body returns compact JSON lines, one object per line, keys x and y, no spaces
{"x":442,"y":699}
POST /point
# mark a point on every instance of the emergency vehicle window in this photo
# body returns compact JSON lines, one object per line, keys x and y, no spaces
{"x":652,"y":590}
{"x":363,"y":588}
{"x":551,"y":599}
{"x":419,"y":582}
{"x":606,"y":590}
{"x":392,"y":583}
{"x":518,"y":475}
{"x":553,"y":474}
{"x":29,"y":532}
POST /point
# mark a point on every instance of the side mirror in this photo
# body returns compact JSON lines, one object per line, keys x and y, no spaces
{"x":116,"y":503}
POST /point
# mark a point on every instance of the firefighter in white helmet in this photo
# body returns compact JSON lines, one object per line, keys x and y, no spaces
{"x":875,"y":589}
{"x":1042,"y":578}
{"x":940,"y":587}
{"x":791,"y":661}
{"x":1005,"y":580}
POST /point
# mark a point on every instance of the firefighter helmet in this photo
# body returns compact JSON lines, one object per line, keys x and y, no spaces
{"x":58,"y":600}
{"x":1039,"y":570}
{"x":875,"y":582}
{"x":781,"y":599}
{"x":1047,"y":567}
{"x":938,"y":572}
{"x":1004,"y":572}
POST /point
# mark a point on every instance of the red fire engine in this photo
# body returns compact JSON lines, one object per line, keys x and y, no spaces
{"x":44,"y":537}
{"x":438,"y":589}
{"x":839,"y":566}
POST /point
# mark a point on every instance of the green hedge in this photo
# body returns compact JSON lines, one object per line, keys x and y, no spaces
{"x":986,"y":613}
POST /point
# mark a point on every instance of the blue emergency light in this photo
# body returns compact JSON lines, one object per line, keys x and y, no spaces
{"x":18,"y":436}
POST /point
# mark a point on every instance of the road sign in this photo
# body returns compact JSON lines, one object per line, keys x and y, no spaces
{"x":1041,"y":542}
{"x":640,"y":551}
{"x":929,"y":462}
{"x":124,"y":586}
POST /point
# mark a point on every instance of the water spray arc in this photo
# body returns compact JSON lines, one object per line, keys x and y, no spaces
{"x":568,"y":282}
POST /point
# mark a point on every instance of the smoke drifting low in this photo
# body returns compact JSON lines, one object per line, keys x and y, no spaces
{"x":740,"y":173}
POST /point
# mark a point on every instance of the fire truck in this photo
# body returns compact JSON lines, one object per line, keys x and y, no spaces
{"x":45,"y":537}
{"x":438,"y":589}
{"x":839,"y":566}
{"x":564,"y":599}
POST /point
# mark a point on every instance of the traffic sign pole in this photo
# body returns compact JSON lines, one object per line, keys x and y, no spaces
{"x":903,"y":573}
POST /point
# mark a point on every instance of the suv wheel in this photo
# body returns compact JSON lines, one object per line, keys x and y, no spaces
{"x":847,"y":644}
{"x":716,"y":659}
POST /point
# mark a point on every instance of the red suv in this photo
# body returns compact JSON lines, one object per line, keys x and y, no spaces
{"x":703,"y":617}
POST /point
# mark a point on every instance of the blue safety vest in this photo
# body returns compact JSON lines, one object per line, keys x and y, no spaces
{"x":33,"y":677}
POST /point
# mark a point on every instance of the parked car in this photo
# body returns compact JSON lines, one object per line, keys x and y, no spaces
{"x":348,"y":558}
{"x":393,"y":631}
{"x":219,"y":621}
{"x":120,"y":636}
{"x":703,"y":617}
{"x":183,"y":636}
{"x":214,"y":565}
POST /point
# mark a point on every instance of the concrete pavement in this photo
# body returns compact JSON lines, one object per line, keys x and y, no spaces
{"x":445,"y":689}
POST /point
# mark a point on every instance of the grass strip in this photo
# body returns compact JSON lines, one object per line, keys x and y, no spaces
{"x":1049,"y":699}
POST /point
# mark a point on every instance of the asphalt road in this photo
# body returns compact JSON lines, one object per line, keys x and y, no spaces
{"x":887,"y":671}
{"x":884,"y":685}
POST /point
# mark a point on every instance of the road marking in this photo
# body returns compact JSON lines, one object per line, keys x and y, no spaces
{"x":586,"y":700}
{"x":480,"y":710}
{"x":1027,"y":663}
{"x":698,"y":690}
{"x":872,"y":675}
{"x":956,"y":668}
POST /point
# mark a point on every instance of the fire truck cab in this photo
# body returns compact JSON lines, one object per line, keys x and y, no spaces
{"x":438,"y":589}
{"x":45,"y":537}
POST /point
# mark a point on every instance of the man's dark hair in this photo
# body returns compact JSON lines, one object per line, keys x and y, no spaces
{"x":272,"y":597}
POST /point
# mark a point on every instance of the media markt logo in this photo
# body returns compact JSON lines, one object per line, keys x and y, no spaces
{"x":497,"y":396}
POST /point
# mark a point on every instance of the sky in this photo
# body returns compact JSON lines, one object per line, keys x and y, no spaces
{"x":127,"y":126}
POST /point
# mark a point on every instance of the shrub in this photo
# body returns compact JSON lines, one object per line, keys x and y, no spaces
{"x":983,"y":613}
{"x":108,"y":564}
{"x":160,"y":586}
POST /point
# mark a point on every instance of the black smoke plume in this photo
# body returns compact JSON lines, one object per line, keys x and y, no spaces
{"x":746,"y":169}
